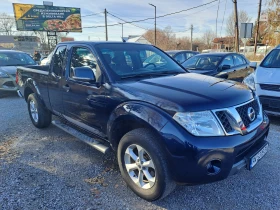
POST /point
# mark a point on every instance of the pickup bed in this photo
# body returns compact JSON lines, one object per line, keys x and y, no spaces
{"x":166,"y":125}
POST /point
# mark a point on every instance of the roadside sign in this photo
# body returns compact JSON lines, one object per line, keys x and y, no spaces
{"x":246,"y":30}
{"x":30,"y":17}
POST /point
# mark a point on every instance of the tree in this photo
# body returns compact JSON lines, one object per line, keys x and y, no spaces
{"x":7,"y":23}
{"x":208,"y":37}
{"x":243,"y":17}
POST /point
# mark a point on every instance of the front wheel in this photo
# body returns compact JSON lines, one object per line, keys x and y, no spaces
{"x":39,"y":115}
{"x":144,"y":166}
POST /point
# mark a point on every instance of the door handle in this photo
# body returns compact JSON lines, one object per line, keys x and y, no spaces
{"x":66,"y":88}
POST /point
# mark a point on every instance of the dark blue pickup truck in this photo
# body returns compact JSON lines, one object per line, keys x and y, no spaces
{"x":166,"y":125}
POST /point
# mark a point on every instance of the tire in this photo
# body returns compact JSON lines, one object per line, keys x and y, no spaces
{"x":159,"y":184}
{"x":39,"y":115}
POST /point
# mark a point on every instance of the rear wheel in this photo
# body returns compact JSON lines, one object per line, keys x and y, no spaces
{"x":143,"y":165}
{"x":39,"y":115}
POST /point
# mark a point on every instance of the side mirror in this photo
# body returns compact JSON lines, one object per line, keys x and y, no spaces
{"x":225,"y":67}
{"x":84,"y":74}
{"x":253,"y":65}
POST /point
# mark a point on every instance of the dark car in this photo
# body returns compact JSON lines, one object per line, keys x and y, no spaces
{"x":181,"y":55}
{"x":166,"y":126}
{"x":231,"y":66}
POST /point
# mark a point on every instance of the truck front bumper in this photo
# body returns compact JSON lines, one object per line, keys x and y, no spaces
{"x":202,"y":160}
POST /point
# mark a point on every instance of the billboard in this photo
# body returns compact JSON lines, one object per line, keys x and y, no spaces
{"x":31,"y":17}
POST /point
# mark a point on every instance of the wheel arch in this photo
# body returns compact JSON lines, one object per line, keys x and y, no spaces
{"x":133,"y":115}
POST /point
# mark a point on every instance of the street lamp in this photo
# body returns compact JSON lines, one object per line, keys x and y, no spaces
{"x":155,"y":23}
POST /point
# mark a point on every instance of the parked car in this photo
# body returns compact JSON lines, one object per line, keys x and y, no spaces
{"x":9,"y":60}
{"x":167,"y":126}
{"x":231,"y":66}
{"x":181,"y":55}
{"x":266,"y":82}
{"x":46,"y":60}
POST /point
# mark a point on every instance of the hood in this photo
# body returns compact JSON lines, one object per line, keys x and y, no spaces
{"x":187,"y":92}
{"x":11,"y":70}
{"x":267,"y":75}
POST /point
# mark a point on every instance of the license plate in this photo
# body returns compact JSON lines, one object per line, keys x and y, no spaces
{"x":254,"y":160}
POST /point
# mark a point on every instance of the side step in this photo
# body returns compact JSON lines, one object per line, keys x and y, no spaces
{"x":88,"y":140}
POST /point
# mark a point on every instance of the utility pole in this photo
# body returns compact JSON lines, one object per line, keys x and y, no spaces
{"x":258,"y":26}
{"x":191,"y":36}
{"x":106,"y":30}
{"x":155,"y":23}
{"x":236,"y":26}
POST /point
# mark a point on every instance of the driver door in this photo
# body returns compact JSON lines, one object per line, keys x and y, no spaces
{"x":84,"y":101}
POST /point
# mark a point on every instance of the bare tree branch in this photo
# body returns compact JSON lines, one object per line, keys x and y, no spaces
{"x":243,"y":17}
{"x":7,"y":22}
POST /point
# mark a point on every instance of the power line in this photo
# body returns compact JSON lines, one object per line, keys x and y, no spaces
{"x":92,"y":14}
{"x":161,"y":16}
{"x":126,"y":21}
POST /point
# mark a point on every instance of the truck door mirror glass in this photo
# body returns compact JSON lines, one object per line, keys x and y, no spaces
{"x":84,"y":74}
{"x":225,"y":67}
{"x":253,"y":65}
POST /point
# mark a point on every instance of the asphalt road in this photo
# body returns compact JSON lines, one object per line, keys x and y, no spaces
{"x":49,"y":169}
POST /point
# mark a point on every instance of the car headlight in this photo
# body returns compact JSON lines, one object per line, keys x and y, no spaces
{"x":199,"y":123}
{"x":250,"y":81}
{"x":3,"y":75}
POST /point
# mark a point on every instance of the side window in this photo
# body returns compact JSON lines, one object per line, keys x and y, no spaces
{"x":59,"y":61}
{"x":228,"y":61}
{"x":82,"y":57}
{"x":189,"y":55}
{"x":180,"y":58}
{"x":238,"y":60}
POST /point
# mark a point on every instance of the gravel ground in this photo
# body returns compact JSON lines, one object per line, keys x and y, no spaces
{"x":49,"y":169}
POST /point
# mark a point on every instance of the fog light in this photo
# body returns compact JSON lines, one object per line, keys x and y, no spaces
{"x":214,"y":167}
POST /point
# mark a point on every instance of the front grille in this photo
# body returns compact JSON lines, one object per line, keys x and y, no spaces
{"x":270,"y":87}
{"x":224,"y":120}
{"x":270,"y":103}
{"x":242,"y":110}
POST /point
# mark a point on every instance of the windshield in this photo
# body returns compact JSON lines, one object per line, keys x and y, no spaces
{"x":129,"y":60}
{"x":202,"y":62}
{"x":272,"y":60}
{"x":15,"y":59}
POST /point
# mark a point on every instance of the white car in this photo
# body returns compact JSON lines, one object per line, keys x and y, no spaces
{"x":266,"y":82}
{"x":47,"y":60}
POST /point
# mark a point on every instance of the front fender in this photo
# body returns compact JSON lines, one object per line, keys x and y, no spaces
{"x":147,"y":115}
{"x":138,"y":112}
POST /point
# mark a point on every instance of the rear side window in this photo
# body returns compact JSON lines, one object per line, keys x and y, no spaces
{"x":59,"y":61}
{"x":238,"y":60}
{"x":228,"y":61}
{"x":180,"y":58}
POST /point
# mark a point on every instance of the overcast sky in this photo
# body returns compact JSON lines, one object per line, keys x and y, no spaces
{"x":202,"y":18}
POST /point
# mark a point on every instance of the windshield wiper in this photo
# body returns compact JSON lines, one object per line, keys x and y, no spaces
{"x":17,"y":64}
{"x":191,"y":68}
{"x":151,"y":74}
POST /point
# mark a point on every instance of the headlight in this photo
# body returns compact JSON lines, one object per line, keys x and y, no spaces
{"x":199,"y":123}
{"x":250,"y":81}
{"x":3,"y":75}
